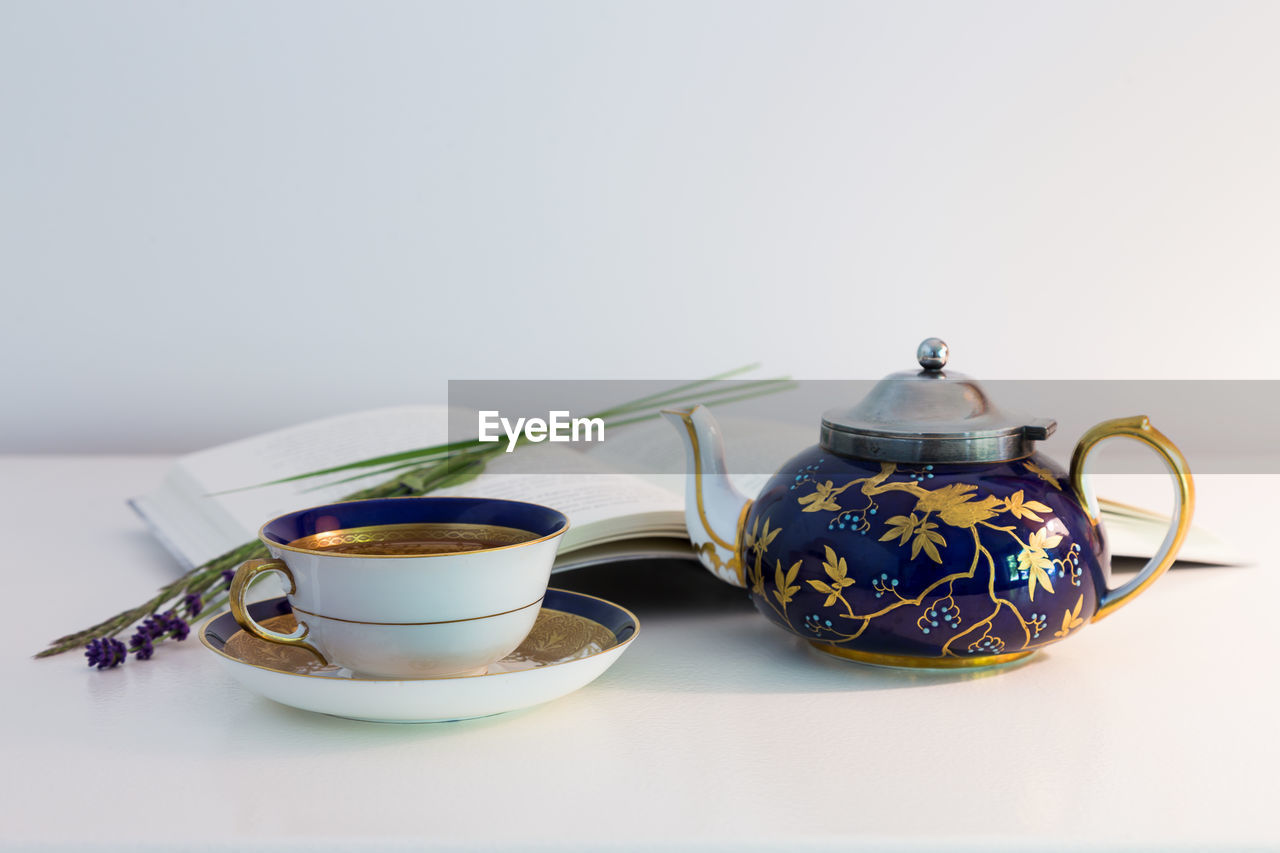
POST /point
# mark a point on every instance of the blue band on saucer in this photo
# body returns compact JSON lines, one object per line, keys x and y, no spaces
{"x":608,"y":614}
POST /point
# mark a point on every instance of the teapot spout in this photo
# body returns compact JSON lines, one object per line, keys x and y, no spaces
{"x":714,"y":509}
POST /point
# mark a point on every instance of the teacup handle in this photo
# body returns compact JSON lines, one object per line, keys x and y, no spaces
{"x":1138,"y":428}
{"x":246,"y":575}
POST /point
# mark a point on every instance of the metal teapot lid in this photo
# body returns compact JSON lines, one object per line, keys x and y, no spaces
{"x":930,"y":415}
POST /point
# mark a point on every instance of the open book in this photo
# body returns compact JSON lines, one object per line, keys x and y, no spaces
{"x":615,"y":512}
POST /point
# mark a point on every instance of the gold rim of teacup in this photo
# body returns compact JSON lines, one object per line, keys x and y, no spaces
{"x":298,"y":609}
{"x":331,"y":553}
{"x":635,"y":623}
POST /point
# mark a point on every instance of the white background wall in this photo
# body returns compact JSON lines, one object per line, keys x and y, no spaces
{"x":217,"y":218}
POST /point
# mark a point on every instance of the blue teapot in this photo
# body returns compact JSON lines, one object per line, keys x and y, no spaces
{"x":923,"y":530}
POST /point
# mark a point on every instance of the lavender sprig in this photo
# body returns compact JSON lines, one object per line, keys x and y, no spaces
{"x":199,"y":587}
{"x":211,"y":578}
{"x":166,"y":615}
{"x":105,"y":652}
{"x":108,"y":652}
{"x":160,"y":626}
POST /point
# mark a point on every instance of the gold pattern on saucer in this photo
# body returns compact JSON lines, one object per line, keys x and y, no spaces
{"x":413,"y":539}
{"x":557,"y":637}
{"x":248,"y":648}
{"x":240,"y":584}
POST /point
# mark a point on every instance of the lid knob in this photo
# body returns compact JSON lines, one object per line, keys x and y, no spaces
{"x":932,"y":353}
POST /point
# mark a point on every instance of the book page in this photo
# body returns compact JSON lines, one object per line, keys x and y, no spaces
{"x":754,"y":449}
{"x":585,"y":498}
{"x":296,"y":450}
{"x":197,"y":523}
{"x":601,"y":503}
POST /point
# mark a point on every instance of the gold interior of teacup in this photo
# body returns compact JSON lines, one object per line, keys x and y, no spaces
{"x":400,"y":540}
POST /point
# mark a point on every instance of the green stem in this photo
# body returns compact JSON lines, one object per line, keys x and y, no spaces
{"x":655,"y":399}
{"x":479,"y":451}
{"x":419,"y":455}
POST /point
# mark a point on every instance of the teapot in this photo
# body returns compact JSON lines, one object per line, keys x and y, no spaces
{"x":923,"y":530}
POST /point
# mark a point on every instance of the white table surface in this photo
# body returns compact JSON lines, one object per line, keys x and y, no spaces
{"x":1155,"y":729}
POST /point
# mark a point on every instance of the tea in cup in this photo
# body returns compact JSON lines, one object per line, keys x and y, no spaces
{"x":418,"y":587}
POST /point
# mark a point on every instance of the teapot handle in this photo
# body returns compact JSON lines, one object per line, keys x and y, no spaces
{"x":1140,"y":429}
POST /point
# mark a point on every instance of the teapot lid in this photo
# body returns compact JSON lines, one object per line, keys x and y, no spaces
{"x":930,"y":415}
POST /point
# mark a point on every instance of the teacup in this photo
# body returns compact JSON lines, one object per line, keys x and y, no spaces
{"x":417,"y":587}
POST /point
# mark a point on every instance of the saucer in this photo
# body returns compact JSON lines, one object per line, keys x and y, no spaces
{"x":575,"y":638}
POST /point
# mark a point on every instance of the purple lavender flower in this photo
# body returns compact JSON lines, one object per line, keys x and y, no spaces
{"x":174,"y":624}
{"x":155,"y":627}
{"x":194,"y":604}
{"x":140,"y":643}
{"x":148,"y":629}
{"x":227,"y":576}
{"x":142,"y":648}
{"x":106,"y":652}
